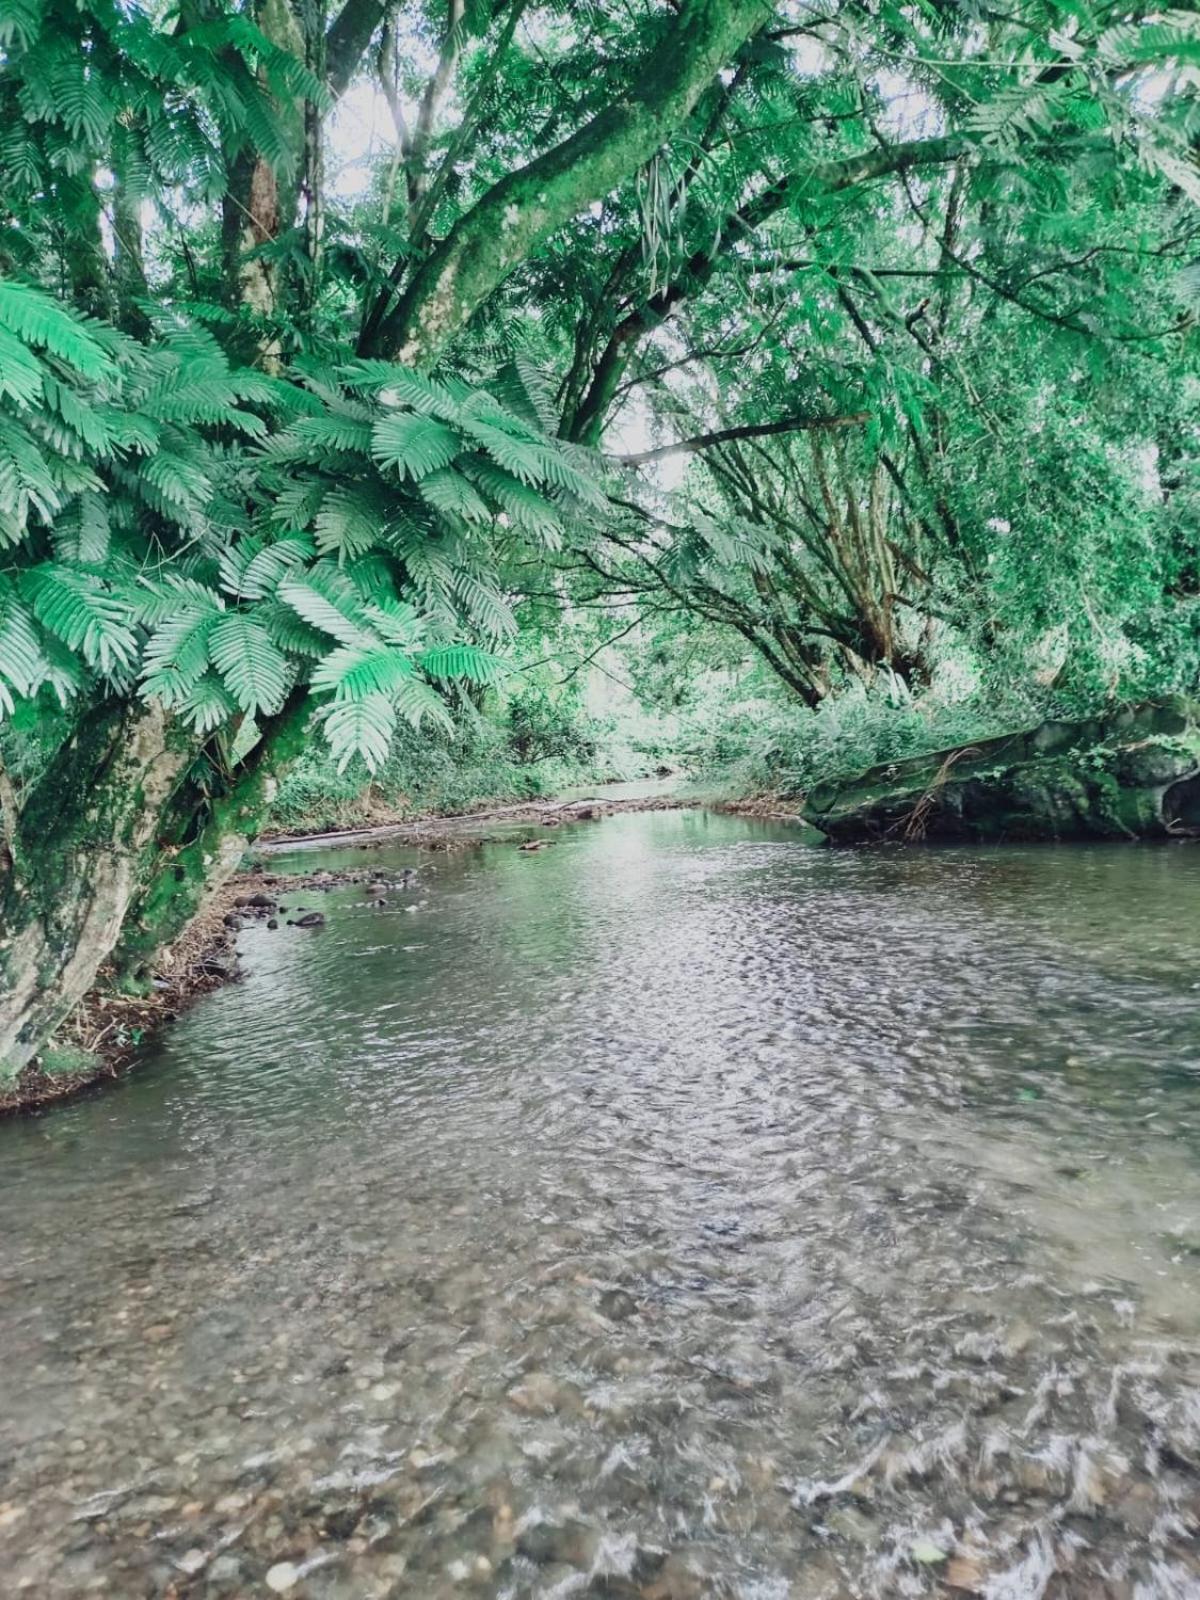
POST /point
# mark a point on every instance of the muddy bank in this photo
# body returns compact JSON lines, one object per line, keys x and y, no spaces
{"x":104,"y":1035}
{"x":494,"y":824}
{"x":771,"y":808}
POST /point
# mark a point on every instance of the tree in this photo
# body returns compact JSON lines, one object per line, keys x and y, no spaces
{"x":863,"y":356}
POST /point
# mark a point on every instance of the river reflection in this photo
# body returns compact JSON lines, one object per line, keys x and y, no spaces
{"x":677,"y":1212}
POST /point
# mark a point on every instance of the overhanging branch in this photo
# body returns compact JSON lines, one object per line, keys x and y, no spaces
{"x":498,"y":233}
{"x":705,"y":441}
{"x":347,"y":40}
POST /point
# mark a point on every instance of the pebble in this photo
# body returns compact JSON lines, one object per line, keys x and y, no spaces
{"x":965,"y":1573}
{"x":617,"y":1304}
{"x":537,"y":1391}
{"x":284,"y":1575}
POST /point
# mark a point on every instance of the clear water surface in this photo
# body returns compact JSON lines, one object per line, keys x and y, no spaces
{"x":678,"y":1212}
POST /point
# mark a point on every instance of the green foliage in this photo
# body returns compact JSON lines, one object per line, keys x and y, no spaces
{"x":120,"y":468}
{"x":218,"y":494}
{"x":476,"y":761}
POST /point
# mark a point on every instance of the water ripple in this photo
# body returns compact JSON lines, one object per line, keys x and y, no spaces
{"x":676,"y":1213}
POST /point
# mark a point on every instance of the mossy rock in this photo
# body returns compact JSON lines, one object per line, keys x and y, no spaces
{"x":1132,"y":775}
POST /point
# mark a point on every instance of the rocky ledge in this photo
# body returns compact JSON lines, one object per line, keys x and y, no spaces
{"x":1133,"y":773}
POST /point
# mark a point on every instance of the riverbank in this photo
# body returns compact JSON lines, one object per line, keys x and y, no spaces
{"x":1130,"y":773}
{"x":102,"y":1038}
{"x":1134,"y":774}
{"x":461,"y":829}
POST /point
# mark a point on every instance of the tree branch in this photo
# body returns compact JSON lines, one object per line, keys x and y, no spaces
{"x":465,"y":129}
{"x":347,"y":39}
{"x":706,"y":441}
{"x":436,"y":87}
{"x":516,"y":214}
{"x":586,"y":424}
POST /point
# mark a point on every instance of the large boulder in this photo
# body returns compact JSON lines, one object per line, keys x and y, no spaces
{"x":1131,"y":774}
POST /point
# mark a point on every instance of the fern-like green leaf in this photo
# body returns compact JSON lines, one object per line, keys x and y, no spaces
{"x":177,"y":654}
{"x":325,"y":603}
{"x":32,"y":316}
{"x":349,"y":521}
{"x":417,"y":703}
{"x":486,"y":609}
{"x":403,"y":386}
{"x":207,"y":705}
{"x":83,"y":535}
{"x":77,"y":609}
{"x":252,"y":667}
{"x":517,"y":456}
{"x":414,"y":445}
{"x":293,"y":635}
{"x":462,"y":661}
{"x":524,"y":506}
{"x":352,"y":673}
{"x":251,"y":570}
{"x":395,"y":621}
{"x":21,"y":373}
{"x":362,"y":728}
{"x":21,"y":660}
{"x":450,"y":492}
{"x":20,"y":22}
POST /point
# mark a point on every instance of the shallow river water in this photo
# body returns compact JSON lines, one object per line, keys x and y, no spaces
{"x":677,"y":1212}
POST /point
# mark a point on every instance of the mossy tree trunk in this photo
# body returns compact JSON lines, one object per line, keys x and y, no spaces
{"x":189,"y":873}
{"x":1131,"y":774}
{"x":114,"y":852}
{"x":78,"y":855}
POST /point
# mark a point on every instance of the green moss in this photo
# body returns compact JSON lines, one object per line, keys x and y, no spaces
{"x":1095,"y":779}
{"x":68,"y":1061}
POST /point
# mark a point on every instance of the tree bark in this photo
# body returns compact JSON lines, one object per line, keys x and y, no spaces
{"x":82,"y":847}
{"x":184,"y":881}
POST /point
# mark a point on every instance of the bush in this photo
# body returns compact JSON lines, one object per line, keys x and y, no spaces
{"x":541,"y":729}
{"x":769,"y":744}
{"x":530,"y":748}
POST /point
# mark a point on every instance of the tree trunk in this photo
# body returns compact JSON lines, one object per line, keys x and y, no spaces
{"x":185,"y":882}
{"x":80,"y":854}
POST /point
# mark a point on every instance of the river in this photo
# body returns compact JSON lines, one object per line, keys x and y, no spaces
{"x":677,"y":1212}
